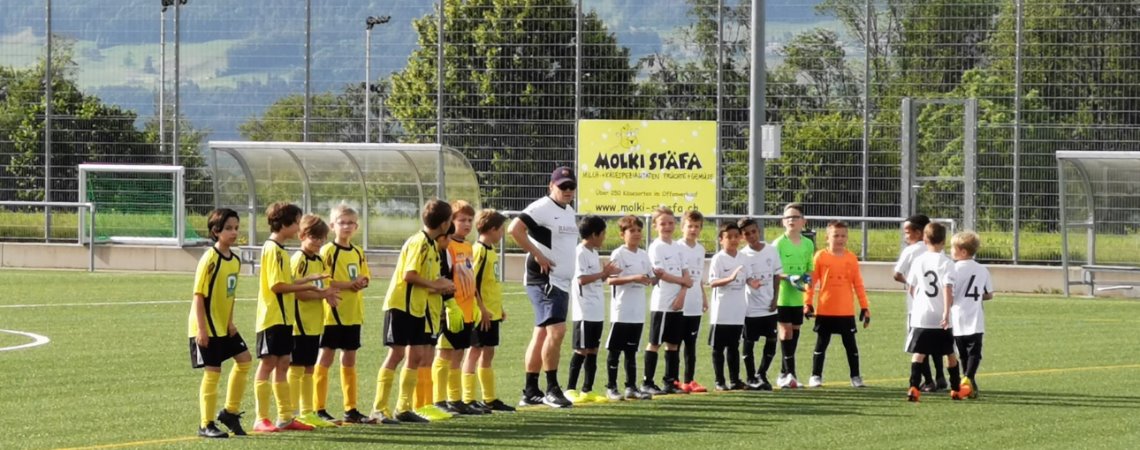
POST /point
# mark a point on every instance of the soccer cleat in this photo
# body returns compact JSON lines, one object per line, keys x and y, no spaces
{"x":573,"y":395}
{"x":968,"y":389}
{"x":354,"y":416}
{"x":671,"y":388}
{"x":313,"y":420}
{"x":231,"y":421}
{"x":815,"y":381}
{"x":652,"y":389}
{"x":857,"y":382}
{"x":929,"y":387}
{"x":782,"y":381}
{"x":381,"y":417}
{"x":696,"y":387}
{"x":483,"y":408}
{"x":793,"y":383}
{"x":637,"y":394}
{"x":212,"y":431}
{"x":941,"y":385}
{"x":433,"y":413}
{"x":613,"y":395}
{"x":265,"y":426}
{"x":737,"y":385}
{"x":498,"y":405}
{"x":411,"y":417}
{"x":326,"y":416}
{"x":721,"y":387}
{"x":753,"y":384}
{"x":531,"y":398}
{"x":555,"y":399}
{"x":294,"y":425}
{"x":464,"y":410}
{"x":956,"y":395}
{"x":592,"y":397}
{"x":446,"y":407}
{"x":764,"y":386}
{"x":913,"y":394}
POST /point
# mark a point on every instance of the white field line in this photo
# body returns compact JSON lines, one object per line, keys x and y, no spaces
{"x":37,"y":340}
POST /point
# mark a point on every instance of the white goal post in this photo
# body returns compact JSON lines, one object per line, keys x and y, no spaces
{"x":178,"y":200}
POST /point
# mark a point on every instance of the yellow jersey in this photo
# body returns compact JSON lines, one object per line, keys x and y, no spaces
{"x":487,"y":280}
{"x":418,"y":255}
{"x":309,"y":318}
{"x":216,"y":281}
{"x":274,"y":309}
{"x":346,"y":264}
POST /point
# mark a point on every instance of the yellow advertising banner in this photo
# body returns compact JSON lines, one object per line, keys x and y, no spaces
{"x":634,"y":166}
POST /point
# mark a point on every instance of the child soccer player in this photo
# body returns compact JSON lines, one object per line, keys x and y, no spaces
{"x":627,"y":309}
{"x":729,"y":273}
{"x":696,"y":300}
{"x":588,"y":308}
{"x":215,"y":282}
{"x":275,"y":316}
{"x":457,"y":265}
{"x":796,"y":254}
{"x":835,"y":278}
{"x":667,"y":323}
{"x":760,"y":318}
{"x":931,"y":281}
{"x":406,"y":314}
{"x":489,"y":223}
{"x":351,"y":275}
{"x":968,"y":314}
{"x":430,"y":399}
{"x":308,"y":265}
{"x":912,"y":234}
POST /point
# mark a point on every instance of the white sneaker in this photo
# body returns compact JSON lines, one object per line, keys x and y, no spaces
{"x":793,"y":383}
{"x":857,"y":382}
{"x":815,"y":381}
{"x":782,"y":381}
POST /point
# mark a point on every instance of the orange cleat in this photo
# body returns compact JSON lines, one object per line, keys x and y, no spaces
{"x":695,"y":387}
{"x":295,"y":425}
{"x":265,"y":426}
{"x":956,"y":395}
{"x":913,"y":394}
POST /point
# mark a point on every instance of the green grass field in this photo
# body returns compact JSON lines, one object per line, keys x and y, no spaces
{"x":1057,"y":374}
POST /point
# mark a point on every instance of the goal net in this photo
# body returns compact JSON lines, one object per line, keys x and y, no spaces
{"x":136,"y":204}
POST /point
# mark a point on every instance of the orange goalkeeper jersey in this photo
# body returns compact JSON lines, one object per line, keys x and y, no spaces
{"x":837,"y":279}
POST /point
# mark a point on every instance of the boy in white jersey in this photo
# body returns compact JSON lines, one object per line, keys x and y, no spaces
{"x":968,"y":315}
{"x":588,"y":308}
{"x":667,"y":323}
{"x":931,"y":281}
{"x":912,"y":235}
{"x":760,"y":317}
{"x":696,"y":300}
{"x":729,"y":274}
{"x":627,"y":309}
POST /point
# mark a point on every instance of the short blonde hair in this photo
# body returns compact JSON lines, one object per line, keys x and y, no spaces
{"x":968,"y":241}
{"x":661,"y":211}
{"x":312,"y":226}
{"x":341,"y":210}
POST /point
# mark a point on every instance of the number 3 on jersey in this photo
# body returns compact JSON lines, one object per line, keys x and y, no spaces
{"x":932,"y":281}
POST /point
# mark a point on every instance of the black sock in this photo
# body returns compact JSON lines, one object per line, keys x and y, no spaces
{"x":789,"y":349}
{"x":718,"y":364}
{"x":631,"y":368}
{"x":915,"y":374}
{"x":591,"y":368}
{"x":766,"y":359}
{"x":938,"y":371}
{"x":650,"y":367}
{"x":955,"y":378}
{"x":733,"y":358}
{"x":576,"y":361}
{"x":926,"y":374}
{"x":551,"y":379}
{"x":531,"y":381}
{"x":795,"y":344}
{"x":672,"y":365}
{"x":822,"y":340}
{"x":749,"y":357}
{"x":612,"y":357}
{"x":690,"y":361}
{"x":852,"y":348}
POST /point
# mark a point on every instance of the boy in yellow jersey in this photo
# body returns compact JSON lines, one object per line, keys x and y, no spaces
{"x":423,"y":399}
{"x":350,"y":274}
{"x":406,"y":313}
{"x":275,"y":311}
{"x":489,"y":296}
{"x":309,"y":316}
{"x":213,"y":336}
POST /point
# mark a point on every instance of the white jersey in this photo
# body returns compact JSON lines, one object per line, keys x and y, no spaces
{"x":967,"y":315}
{"x":906,"y":257}
{"x":730,"y":302}
{"x":930,"y":274}
{"x":695,"y":263}
{"x":552,"y":228}
{"x":588,"y":301}
{"x":668,"y":256}
{"x":628,"y":302}
{"x":765,"y":265}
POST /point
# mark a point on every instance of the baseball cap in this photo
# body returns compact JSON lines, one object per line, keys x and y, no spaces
{"x":562,"y":175}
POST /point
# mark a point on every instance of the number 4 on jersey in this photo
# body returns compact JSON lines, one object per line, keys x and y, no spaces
{"x":972,"y":291}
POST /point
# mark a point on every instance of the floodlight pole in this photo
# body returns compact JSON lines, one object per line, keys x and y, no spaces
{"x":370,"y":22}
{"x":47,"y":125}
{"x":162,"y":76}
{"x":756,"y":113}
{"x":177,"y":78}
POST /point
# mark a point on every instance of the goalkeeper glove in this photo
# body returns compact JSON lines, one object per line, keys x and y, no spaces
{"x":454,"y":316}
{"x":809,"y":312}
{"x":865,"y":317}
{"x":799,"y":282}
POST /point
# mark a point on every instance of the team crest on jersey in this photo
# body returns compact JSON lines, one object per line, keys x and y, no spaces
{"x":353,"y":271}
{"x":231,"y":285}
{"x":320,"y":284}
{"x":496,"y":270}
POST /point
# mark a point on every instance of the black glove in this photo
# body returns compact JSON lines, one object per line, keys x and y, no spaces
{"x":809,"y":312}
{"x":865,"y":317}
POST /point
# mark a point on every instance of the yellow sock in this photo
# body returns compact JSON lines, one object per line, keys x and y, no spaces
{"x":208,"y":396}
{"x":383,"y":390}
{"x":348,"y":387}
{"x":261,"y":390}
{"x":468,"y":387}
{"x":454,"y":386}
{"x":295,"y":374}
{"x":487,"y":382}
{"x":306,"y":405}
{"x":423,"y":388}
{"x":284,"y":405}
{"x":235,"y":388}
{"x":321,"y":379}
{"x":407,"y":388}
{"x":439,"y":377}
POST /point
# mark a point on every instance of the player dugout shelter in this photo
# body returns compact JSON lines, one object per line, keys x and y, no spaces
{"x":1099,"y":196}
{"x":386,"y":183}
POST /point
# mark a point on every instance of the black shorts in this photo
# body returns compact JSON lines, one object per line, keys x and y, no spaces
{"x":969,"y":346}
{"x":550,"y":304}
{"x":624,"y":336}
{"x":401,"y":328}
{"x":790,"y":314}
{"x":587,"y":335}
{"x":305,"y":349}
{"x":276,"y":340}
{"x":221,"y":348}
{"x":835,"y":325}
{"x":759,"y":327}
{"x":458,"y":341}
{"x":666,"y":327}
{"x":931,"y":341}
{"x":486,"y":338}
{"x":341,"y":337}
{"x":692,"y":328}
{"x":725,"y":335}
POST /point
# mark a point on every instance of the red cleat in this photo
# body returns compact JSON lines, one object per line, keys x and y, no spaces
{"x":295,"y":425}
{"x":265,"y":426}
{"x":913,"y":394}
{"x":695,"y":387}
